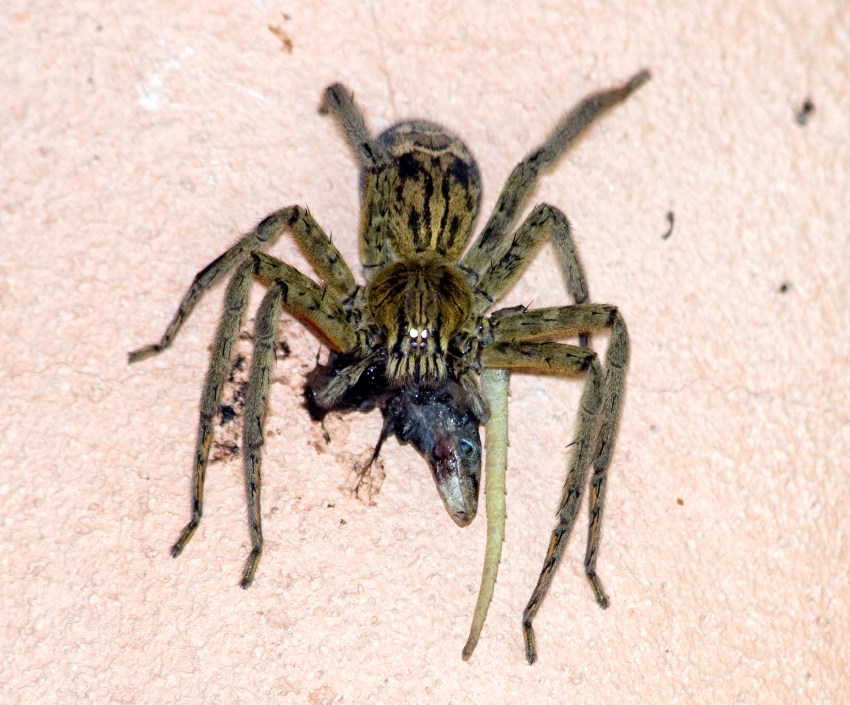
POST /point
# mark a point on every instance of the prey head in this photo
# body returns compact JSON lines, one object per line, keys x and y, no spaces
{"x":442,"y":427}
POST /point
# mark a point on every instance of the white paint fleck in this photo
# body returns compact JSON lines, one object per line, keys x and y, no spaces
{"x":248,"y":91}
{"x":152,"y":90}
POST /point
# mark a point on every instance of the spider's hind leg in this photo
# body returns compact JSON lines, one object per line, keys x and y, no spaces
{"x":339,"y":101}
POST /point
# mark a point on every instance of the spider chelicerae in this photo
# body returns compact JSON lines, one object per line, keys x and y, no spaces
{"x":415,"y":338}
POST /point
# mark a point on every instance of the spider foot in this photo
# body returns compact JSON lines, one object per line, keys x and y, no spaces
{"x":187,"y":534}
{"x":599,"y":593}
{"x":530,"y":641}
{"x":144,"y":353}
{"x":251,"y":568}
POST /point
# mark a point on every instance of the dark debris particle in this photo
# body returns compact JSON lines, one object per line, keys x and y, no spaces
{"x":228,"y":413}
{"x":785,"y":287}
{"x":671,"y":219}
{"x":231,"y":448}
{"x":286,"y":42}
{"x":285,"y":350}
{"x":805,"y":112}
{"x":240,"y":394}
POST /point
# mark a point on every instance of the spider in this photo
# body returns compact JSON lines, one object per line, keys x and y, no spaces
{"x":415,"y":338}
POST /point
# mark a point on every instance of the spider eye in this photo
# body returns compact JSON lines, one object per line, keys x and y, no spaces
{"x":414,"y":333}
{"x":467,"y":450}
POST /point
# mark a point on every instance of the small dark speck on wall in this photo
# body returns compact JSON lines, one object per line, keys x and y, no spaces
{"x":671,"y":219}
{"x":805,"y":112}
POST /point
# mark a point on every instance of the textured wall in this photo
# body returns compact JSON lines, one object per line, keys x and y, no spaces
{"x":138,"y":139}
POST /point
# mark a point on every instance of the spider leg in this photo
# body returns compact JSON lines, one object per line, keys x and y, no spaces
{"x":374,"y":159}
{"x":523,"y":178}
{"x":374,"y":249}
{"x":469,"y":381}
{"x":562,"y":359}
{"x":514,"y":256}
{"x":530,"y":325}
{"x":317,"y":247}
{"x":266,"y":329}
{"x":370,"y":153}
{"x":514,"y":329}
{"x":307,"y":301}
{"x":494,"y":384}
{"x":235,"y":303}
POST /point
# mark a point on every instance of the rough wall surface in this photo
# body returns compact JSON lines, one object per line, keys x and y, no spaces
{"x":138,"y":139}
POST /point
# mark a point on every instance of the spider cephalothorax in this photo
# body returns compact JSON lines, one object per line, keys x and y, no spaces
{"x":420,"y":304}
{"x":415,"y":338}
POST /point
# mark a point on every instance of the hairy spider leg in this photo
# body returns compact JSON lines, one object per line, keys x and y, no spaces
{"x":329,"y":265}
{"x":566,"y":360}
{"x":235,"y":302}
{"x":523,"y":178}
{"x":500,"y":262}
{"x":307,"y":301}
{"x":512,"y":258}
{"x":374,"y":245}
{"x":514,"y":329}
{"x":308,"y":235}
{"x":370,"y":153}
{"x":494,"y":386}
{"x":266,"y":331}
{"x":374,"y":160}
{"x":515,"y":254}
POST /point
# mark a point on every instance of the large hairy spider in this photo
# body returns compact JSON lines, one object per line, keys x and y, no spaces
{"x":414,"y":339}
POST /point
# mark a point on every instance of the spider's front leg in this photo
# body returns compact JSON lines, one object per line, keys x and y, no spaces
{"x":510,"y":259}
{"x":311,"y":304}
{"x":595,"y":437}
{"x":328,"y":263}
{"x":235,"y":303}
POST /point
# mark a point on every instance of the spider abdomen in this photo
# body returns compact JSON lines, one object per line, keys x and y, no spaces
{"x":434,"y":193}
